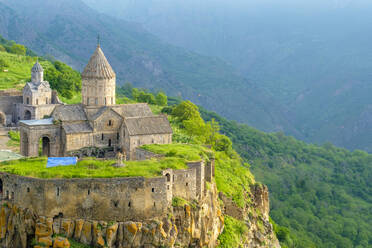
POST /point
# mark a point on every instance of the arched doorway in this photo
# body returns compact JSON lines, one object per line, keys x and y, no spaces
{"x":2,"y":120}
{"x":27,"y":115}
{"x":45,"y":146}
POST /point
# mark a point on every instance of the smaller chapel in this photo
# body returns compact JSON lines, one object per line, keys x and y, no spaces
{"x":95,"y":127}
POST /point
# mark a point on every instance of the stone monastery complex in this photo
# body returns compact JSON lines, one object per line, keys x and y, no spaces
{"x":96,"y":127}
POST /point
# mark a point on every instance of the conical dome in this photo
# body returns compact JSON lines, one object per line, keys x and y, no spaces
{"x":98,"y":66}
{"x":37,"y":67}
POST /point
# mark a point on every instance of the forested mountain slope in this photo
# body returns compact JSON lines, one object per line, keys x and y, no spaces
{"x":314,"y":57}
{"x":323,"y":194}
{"x":68,"y":29}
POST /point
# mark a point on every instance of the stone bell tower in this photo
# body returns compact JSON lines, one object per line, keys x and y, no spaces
{"x":98,"y":81}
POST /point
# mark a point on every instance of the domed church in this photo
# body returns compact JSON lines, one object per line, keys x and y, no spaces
{"x":95,"y":127}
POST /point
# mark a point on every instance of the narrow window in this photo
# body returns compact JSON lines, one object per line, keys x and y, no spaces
{"x":168,"y":177}
{"x":87,"y":100}
{"x":28,"y":190}
{"x":28,"y":100}
{"x":109,"y":143}
{"x":58,"y":191}
{"x":102,"y":137}
{"x":129,"y":204}
{"x":46,"y":100}
{"x":37,"y":101}
{"x":105,"y":101}
{"x":117,"y":136}
{"x":110,"y":123}
{"x":154,"y":204}
{"x":88,"y":191}
{"x":153,"y":189}
{"x":187,"y":184}
{"x":112,"y":100}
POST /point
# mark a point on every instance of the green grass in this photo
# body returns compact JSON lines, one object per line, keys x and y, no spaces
{"x":189,"y":152}
{"x":233,"y":178}
{"x":19,"y":70}
{"x":14,"y":139}
{"x":90,"y":168}
{"x":234,"y":231}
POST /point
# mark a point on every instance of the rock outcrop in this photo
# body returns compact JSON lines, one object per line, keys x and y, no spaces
{"x":255,"y":215}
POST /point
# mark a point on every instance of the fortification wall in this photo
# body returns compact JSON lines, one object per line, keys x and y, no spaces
{"x":119,"y":199}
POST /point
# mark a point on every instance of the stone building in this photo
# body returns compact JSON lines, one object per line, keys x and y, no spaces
{"x":36,"y":101}
{"x":97,"y":126}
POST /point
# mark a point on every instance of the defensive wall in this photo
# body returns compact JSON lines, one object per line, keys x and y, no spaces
{"x":106,"y":199}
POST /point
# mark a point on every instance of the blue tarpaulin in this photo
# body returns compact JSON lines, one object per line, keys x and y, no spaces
{"x":53,"y":162}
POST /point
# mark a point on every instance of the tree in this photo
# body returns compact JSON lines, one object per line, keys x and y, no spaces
{"x":63,"y":79}
{"x":18,"y":49}
{"x":2,"y":48}
{"x":161,"y":99}
{"x":186,"y":110}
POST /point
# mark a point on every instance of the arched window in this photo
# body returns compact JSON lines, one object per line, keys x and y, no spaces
{"x":27,"y":100}
{"x":105,"y":101}
{"x":168,"y":177}
{"x":102,"y":138}
{"x":37,"y":101}
{"x":46,"y":100}
{"x":109,"y":143}
{"x":110,"y":123}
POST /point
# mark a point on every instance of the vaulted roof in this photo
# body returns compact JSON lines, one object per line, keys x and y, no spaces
{"x":148,"y":125}
{"x":69,"y":113}
{"x":98,"y":66}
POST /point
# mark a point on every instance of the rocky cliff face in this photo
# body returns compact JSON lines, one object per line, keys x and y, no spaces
{"x":255,"y":214}
{"x":192,"y":225}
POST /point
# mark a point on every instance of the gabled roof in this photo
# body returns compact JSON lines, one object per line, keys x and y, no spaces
{"x":83,"y":127}
{"x":34,"y":87}
{"x":148,"y":125}
{"x":102,"y":110}
{"x":69,"y":113}
{"x":98,"y":66}
{"x":133,"y":110}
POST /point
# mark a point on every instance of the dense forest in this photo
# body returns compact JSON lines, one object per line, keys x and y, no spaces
{"x":323,"y":194}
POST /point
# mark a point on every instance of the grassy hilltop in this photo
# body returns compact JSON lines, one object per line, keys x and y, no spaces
{"x":320,"y":194}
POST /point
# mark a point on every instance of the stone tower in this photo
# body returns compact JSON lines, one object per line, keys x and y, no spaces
{"x":37,"y":73}
{"x":98,"y":81}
